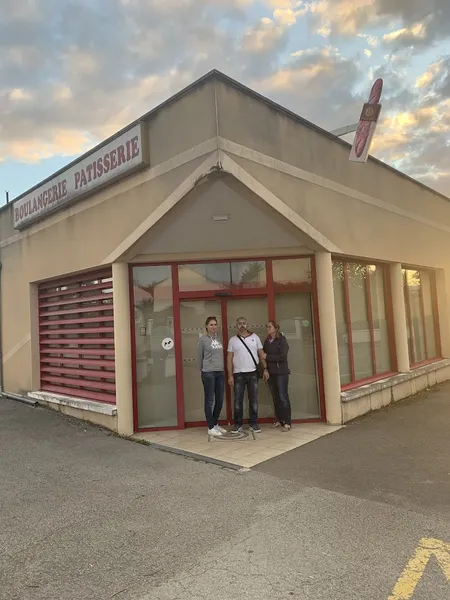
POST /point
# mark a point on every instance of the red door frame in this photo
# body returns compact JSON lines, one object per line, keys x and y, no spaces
{"x":268,"y":291}
{"x":224,"y":316}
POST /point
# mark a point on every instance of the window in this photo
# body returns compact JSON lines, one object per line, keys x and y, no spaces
{"x":290,"y":274}
{"x":421,"y":318}
{"x":361,"y":321}
{"x":219,"y":276}
{"x":155,"y":365}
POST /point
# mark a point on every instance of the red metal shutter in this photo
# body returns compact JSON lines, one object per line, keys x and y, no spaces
{"x":76,"y":336}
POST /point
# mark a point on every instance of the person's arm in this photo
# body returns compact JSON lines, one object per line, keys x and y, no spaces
{"x":230,"y":367}
{"x":230,"y":355}
{"x":262,"y":358}
{"x":281,"y":355}
{"x":261,"y":353}
{"x":200,"y":350}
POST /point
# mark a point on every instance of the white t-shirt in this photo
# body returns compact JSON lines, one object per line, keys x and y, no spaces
{"x":242,"y":361}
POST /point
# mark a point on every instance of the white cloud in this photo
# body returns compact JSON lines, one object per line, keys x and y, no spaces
{"x":419,"y":23}
{"x":20,"y":94}
{"x":343,"y":16}
{"x":64,"y":88}
{"x":372,"y":40}
{"x":427,"y":78}
{"x":263,"y":37}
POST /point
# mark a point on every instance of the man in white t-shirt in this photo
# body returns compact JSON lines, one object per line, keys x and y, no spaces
{"x":245,"y":352}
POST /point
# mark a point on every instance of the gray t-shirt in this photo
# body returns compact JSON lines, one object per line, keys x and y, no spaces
{"x":210,"y":354}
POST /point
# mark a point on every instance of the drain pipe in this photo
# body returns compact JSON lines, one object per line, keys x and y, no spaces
{"x":18,"y":398}
{"x":8,"y":395}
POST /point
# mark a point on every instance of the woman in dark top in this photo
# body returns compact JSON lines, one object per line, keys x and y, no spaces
{"x":276,"y":349}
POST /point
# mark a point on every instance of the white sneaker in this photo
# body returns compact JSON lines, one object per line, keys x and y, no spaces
{"x":214,"y":432}
{"x":221,"y":429}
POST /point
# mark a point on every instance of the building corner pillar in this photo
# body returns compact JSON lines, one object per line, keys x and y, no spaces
{"x":328,"y":337}
{"x":122,"y":344}
{"x":399,"y":317}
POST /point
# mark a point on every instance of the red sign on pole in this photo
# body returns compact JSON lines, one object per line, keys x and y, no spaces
{"x":367,"y":124}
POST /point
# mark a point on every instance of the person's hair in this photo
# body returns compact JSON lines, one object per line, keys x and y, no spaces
{"x":209,"y":319}
{"x":241,"y":319}
{"x":276,"y":325}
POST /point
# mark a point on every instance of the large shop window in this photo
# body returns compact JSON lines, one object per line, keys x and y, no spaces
{"x":421,"y":315}
{"x":362,"y":321}
{"x":156,"y":388}
{"x":76,"y":336}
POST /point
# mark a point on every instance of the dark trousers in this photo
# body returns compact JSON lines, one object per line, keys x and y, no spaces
{"x":249,"y":381}
{"x":214,"y":386}
{"x":279,"y":385}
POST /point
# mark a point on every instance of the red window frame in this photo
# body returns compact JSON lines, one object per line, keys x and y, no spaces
{"x":76,"y":348}
{"x":269,"y":291}
{"x":434,"y":302}
{"x":389,"y":318}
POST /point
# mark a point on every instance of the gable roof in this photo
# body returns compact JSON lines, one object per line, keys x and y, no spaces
{"x":219,"y":76}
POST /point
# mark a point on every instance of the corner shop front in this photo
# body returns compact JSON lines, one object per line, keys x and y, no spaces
{"x":171,"y":303}
{"x":226,"y":191}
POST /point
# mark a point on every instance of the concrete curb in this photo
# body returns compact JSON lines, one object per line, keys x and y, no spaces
{"x":187,"y":454}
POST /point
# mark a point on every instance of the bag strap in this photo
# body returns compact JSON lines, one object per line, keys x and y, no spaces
{"x":249,"y":351}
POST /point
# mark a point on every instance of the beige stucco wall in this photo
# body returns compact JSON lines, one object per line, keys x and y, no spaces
{"x":261,"y":127}
{"x":84,"y":235}
{"x":362,"y":218}
{"x":188,"y":230}
{"x":70,"y":241}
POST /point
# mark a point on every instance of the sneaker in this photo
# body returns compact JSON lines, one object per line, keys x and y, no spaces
{"x":256,"y":428}
{"x":286,"y":428}
{"x":276,"y":424}
{"x":215,"y":432}
{"x":221,"y":429}
{"x":236,"y":429}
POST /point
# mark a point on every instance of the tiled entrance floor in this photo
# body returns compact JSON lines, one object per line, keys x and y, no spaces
{"x":245,"y":452}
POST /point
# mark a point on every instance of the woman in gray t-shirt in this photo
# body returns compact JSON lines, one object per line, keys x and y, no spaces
{"x":211,"y":364}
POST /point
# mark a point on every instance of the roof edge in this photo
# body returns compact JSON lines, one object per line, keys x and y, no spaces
{"x":211,"y":75}
{"x":147,"y":115}
{"x":320,"y":130}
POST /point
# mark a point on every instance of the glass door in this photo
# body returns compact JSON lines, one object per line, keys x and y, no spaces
{"x":255,"y":310}
{"x":295,"y":316}
{"x":193,"y":314}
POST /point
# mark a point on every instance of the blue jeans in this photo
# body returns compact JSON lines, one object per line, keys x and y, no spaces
{"x":249,"y":381}
{"x":278,"y":385}
{"x":214,"y":386}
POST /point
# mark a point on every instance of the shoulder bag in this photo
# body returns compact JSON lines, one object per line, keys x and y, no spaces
{"x":258,"y":365}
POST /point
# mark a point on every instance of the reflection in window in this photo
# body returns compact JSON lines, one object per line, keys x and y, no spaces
{"x":155,"y":366}
{"x":218,"y":276}
{"x":291,"y":273}
{"x":361,"y":321}
{"x":380,"y":322}
{"x":360,"y":325}
{"x":421,"y":324}
{"x":294,"y":313}
{"x":341,"y":322}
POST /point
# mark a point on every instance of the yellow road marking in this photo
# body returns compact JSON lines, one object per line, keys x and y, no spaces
{"x":414,"y":570}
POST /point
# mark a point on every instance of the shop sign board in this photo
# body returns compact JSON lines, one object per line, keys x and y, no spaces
{"x":367,"y":125}
{"x":118,"y":158}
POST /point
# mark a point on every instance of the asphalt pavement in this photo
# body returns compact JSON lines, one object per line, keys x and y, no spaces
{"x":87,"y":515}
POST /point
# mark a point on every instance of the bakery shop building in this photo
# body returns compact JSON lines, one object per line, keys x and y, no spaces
{"x":220,"y":202}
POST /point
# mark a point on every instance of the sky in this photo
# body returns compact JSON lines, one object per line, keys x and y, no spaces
{"x":73,"y":72}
